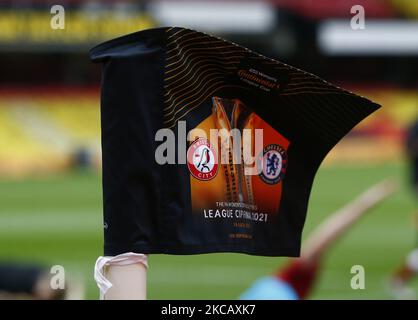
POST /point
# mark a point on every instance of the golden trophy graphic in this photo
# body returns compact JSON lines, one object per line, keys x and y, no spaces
{"x":226,"y":182}
{"x":233,"y":115}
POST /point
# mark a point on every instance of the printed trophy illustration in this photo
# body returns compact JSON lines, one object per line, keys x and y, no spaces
{"x":233,"y":114}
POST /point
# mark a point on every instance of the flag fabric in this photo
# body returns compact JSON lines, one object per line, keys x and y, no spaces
{"x":204,"y":197}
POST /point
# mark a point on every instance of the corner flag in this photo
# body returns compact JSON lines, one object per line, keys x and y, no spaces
{"x":210,"y":147}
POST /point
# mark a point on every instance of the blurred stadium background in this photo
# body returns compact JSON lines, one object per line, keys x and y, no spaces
{"x":50,"y":191}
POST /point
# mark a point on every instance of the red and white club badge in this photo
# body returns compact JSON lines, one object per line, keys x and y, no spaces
{"x":202,"y":160}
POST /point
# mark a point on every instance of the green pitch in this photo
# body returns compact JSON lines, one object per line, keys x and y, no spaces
{"x":57,"y":220}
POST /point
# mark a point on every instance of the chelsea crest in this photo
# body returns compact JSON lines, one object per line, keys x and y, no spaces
{"x":272,"y":164}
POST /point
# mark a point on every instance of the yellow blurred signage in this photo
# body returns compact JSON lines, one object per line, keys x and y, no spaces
{"x":407,"y":7}
{"x":34,"y":27}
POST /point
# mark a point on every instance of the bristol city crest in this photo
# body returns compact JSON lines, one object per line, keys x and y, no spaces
{"x":272,"y":162}
{"x":202,"y":160}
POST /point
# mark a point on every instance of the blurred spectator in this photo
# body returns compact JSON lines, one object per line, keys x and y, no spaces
{"x":27,"y":281}
{"x":408,"y":270}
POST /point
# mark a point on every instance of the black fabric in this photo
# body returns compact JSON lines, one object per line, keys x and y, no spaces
{"x":156,"y":78}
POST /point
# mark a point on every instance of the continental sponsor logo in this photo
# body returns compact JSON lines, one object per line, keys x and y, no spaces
{"x":258,"y":78}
